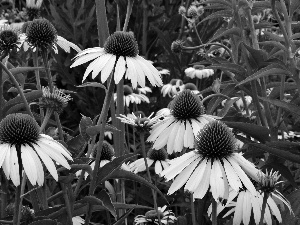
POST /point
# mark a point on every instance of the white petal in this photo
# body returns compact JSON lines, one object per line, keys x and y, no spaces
{"x":4,"y":149}
{"x":100,"y":64}
{"x":153,"y":74}
{"x":188,"y":139}
{"x":178,"y":142}
{"x":158,"y":167}
{"x":29,"y":164}
{"x":204,"y":183}
{"x":247,"y":166}
{"x":246,"y":208}
{"x":108,"y":68}
{"x":216,"y":181}
{"x":85,"y":58}
{"x":131,"y":72}
{"x":238,"y":215}
{"x":274,"y":209}
{"x":65,"y":44}
{"x":172,"y":136}
{"x":14,"y":166}
{"x":120,"y":69}
{"x":196,"y":177}
{"x":141,"y":74}
{"x":256,"y":207}
{"x":232,"y":177}
{"x":6,"y":163}
{"x":39,"y":166}
{"x":182,"y":178}
{"x":59,"y":148}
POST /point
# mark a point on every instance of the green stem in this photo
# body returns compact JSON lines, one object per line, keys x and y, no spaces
{"x":128,"y":13}
{"x":214,"y":212}
{"x":59,"y":126}
{"x":47,"y":69}
{"x":46,"y":119}
{"x":193,"y":210}
{"x":197,"y":33}
{"x":17,"y":205}
{"x":142,"y":138}
{"x":1,"y":94}
{"x":67,"y":203}
{"x":20,"y":90}
{"x":102,"y":24}
{"x":38,"y":79}
{"x":6,"y":222}
{"x":22,"y":195}
{"x":214,"y":95}
{"x":101,"y":120}
{"x":263,"y":208}
{"x":3,"y":196}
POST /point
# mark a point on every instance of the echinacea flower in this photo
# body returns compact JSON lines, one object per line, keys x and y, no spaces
{"x":9,"y":39}
{"x":41,"y":34}
{"x":130,"y":97}
{"x":55,"y":101}
{"x":119,"y":54}
{"x":33,"y":9}
{"x":140,"y":123}
{"x":151,"y":217}
{"x":158,"y":158}
{"x":174,"y":87}
{"x":243,"y":203}
{"x":21,"y":142}
{"x":213,"y":165}
{"x":178,"y":129}
{"x":198,"y":71}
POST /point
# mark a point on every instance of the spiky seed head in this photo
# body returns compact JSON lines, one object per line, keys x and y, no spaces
{"x":186,"y":105}
{"x":41,"y":34}
{"x":121,"y":43}
{"x":107,"y":153}
{"x":177,"y":46}
{"x":215,"y":141}
{"x":157,"y":155}
{"x":19,"y":129}
{"x":8,"y":40}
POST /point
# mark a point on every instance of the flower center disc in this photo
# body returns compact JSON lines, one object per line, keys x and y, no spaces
{"x":19,"y":129}
{"x":107,"y":151}
{"x":157,"y":155}
{"x":41,"y":33}
{"x":215,"y":141}
{"x":186,"y":105}
{"x":8,"y":40}
{"x":121,"y":43}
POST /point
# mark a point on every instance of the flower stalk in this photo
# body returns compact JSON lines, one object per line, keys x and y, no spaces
{"x":263,"y":208}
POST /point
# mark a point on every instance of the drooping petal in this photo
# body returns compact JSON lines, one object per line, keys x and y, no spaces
{"x":4,"y":149}
{"x":196,"y":177}
{"x":188,"y":139}
{"x":120,"y":69}
{"x":14,"y":166}
{"x":108,"y":68}
{"x":158,"y":167}
{"x":204,"y":183}
{"x":29,"y":164}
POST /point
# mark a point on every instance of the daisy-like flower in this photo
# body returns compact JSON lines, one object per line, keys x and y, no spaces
{"x":242,"y":203}
{"x":55,"y":101}
{"x":213,"y":165}
{"x":144,"y":90}
{"x":33,"y":9}
{"x":130,"y":97}
{"x":178,"y":129}
{"x":174,"y":87}
{"x":119,"y":54}
{"x":158,"y":158}
{"x":198,"y":71}
{"x":41,"y":34}
{"x":239,"y":102}
{"x":9,"y":39}
{"x":151,"y":217}
{"x":139,"y":122}
{"x":21,"y":142}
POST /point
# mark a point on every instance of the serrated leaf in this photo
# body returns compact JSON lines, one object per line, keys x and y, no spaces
{"x":259,"y":133}
{"x":265,"y":72}
{"x":218,"y":14}
{"x":227,"y":106}
{"x":30,"y":96}
{"x":232,"y":31}
{"x":278,"y":152}
{"x":228,"y":66}
{"x":110,"y":167}
{"x":92,"y":84}
{"x":128,"y":175}
{"x":285,"y":105}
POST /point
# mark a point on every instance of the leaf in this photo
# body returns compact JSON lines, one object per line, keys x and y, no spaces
{"x":222,"y":2}
{"x":285,"y":105}
{"x":92,"y":84}
{"x":232,"y":31}
{"x":228,"y":66}
{"x":292,"y":218}
{"x":274,"y":43}
{"x":283,"y":170}
{"x":265,"y":72}
{"x":228,"y":104}
{"x":292,"y":147}
{"x":94,"y":130}
{"x":259,"y":133}
{"x":18,"y":70}
{"x":30,"y":96}
{"x":274,"y":37}
{"x":44,"y":222}
{"x":103,"y":200}
{"x":85,"y":122}
{"x":76,"y":144}
{"x":218,"y":15}
{"x":123,"y":217}
{"x":257,"y":57}
{"x":128,"y":175}
{"x":278,"y":152}
{"x":110,"y":167}
{"x":294,"y":5}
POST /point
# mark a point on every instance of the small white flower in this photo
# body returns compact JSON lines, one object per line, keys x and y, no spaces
{"x":151,"y":217}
